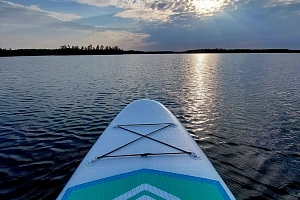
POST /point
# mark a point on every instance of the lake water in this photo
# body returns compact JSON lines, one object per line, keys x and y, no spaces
{"x":242,"y":109}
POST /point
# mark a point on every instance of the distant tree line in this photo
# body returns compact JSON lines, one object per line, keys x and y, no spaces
{"x":64,"y":50}
{"x":91,"y":48}
{"x":108,"y":50}
{"x":221,"y":50}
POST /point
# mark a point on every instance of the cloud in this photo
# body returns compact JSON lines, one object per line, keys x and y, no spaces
{"x":285,"y":7}
{"x":35,"y":8}
{"x":124,"y":39}
{"x":276,"y":2}
{"x":147,"y":15}
{"x":54,"y":38}
{"x":162,"y":10}
{"x":136,"y":9}
{"x":31,"y":27}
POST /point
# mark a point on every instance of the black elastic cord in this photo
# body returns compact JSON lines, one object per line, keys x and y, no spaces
{"x":146,"y":136}
{"x":167,"y":125}
{"x":143,"y":154}
{"x":143,"y":136}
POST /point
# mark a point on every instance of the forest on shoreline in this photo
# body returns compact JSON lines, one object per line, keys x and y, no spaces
{"x":65,"y":50}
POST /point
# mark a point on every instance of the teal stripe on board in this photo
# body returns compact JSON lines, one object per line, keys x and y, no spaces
{"x":148,"y":181}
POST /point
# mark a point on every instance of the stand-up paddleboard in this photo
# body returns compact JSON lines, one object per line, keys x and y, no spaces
{"x":145,"y":153}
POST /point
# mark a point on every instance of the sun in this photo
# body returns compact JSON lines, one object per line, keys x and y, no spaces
{"x":206,"y":7}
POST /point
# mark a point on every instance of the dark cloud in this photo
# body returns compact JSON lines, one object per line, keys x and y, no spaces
{"x":252,"y":25}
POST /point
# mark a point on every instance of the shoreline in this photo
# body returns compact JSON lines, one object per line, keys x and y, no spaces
{"x":72,"y":52}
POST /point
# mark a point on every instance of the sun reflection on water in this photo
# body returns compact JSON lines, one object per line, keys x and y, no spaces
{"x":202,"y":76}
{"x":201,"y":94}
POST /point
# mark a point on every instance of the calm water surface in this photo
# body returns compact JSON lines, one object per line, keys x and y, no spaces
{"x":242,"y":109}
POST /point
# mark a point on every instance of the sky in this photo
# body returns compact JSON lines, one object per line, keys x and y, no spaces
{"x":150,"y":24}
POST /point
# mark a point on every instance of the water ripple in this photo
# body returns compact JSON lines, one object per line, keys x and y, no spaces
{"x":242,"y":109}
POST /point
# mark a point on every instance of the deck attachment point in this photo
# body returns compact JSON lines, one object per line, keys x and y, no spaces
{"x":194,"y":155}
{"x":92,"y":161}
